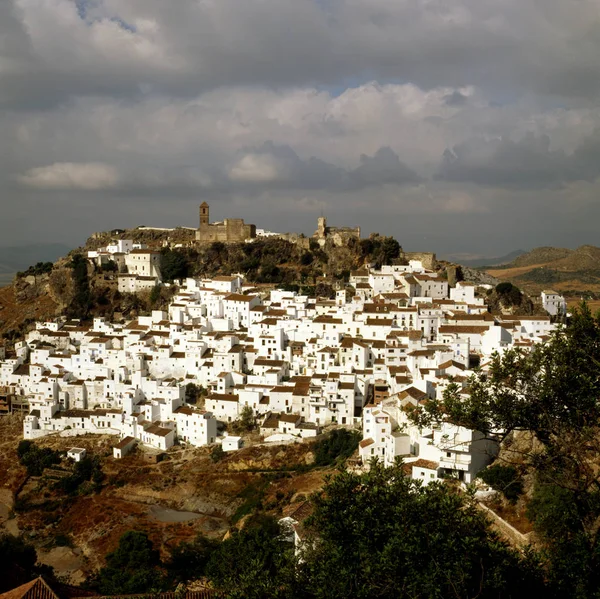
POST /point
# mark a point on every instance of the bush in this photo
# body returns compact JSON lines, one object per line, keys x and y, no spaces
{"x":36,"y":459}
{"x":340,"y":444}
{"x":217,"y":453}
{"x":173,"y":265}
{"x":38,"y":269}
{"x":63,"y":540}
{"x":306,"y":259}
{"x":505,"y":479}
{"x":509,"y":293}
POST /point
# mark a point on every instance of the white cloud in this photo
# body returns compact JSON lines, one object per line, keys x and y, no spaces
{"x":257,"y":168}
{"x":89,"y":176}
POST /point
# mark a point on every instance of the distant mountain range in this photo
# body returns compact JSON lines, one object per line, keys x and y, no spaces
{"x":18,"y":258}
{"x":476,"y":262}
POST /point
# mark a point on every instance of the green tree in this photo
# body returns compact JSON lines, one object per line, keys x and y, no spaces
{"x":340,"y":444}
{"x":133,"y":567}
{"x":381,"y":534}
{"x":551,"y":392}
{"x":173,"y":265}
{"x":193,"y":392}
{"x":17,"y":562}
{"x":509,"y":293}
{"x":154,"y":295}
{"x":188,"y":561}
{"x":36,"y":459}
{"x":390,"y":250}
{"x":254,"y":563}
{"x":80,"y":306}
{"x":217,"y":453}
{"x":505,"y":479}
{"x":88,"y":469}
{"x":247,"y":420}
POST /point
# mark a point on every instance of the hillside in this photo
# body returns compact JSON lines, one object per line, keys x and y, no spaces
{"x":575,"y":273}
{"x":540,"y":255}
{"x":307,"y":268}
{"x":173,"y":500}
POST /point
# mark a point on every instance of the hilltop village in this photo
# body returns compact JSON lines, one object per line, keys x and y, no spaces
{"x":296,"y":363}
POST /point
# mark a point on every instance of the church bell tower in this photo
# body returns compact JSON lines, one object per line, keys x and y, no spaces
{"x":203,"y":214}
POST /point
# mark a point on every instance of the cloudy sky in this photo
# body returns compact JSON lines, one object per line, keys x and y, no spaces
{"x":455,"y":125}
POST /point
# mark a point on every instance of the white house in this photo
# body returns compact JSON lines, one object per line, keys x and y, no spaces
{"x":76,"y":454}
{"x":554,"y":303}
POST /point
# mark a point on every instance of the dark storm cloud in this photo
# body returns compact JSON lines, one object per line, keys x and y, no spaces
{"x":276,"y":166}
{"x":60,"y":49}
{"x":134,"y":110}
{"x":527,"y":163}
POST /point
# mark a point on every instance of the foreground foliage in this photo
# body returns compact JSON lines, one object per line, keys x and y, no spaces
{"x":551,"y":391}
{"x":382,"y":534}
{"x":134,"y":567}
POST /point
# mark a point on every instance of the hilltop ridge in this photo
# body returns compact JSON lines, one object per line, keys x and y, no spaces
{"x":574,"y":273}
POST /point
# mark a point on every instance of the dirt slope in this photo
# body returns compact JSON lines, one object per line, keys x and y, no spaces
{"x":173,"y":500}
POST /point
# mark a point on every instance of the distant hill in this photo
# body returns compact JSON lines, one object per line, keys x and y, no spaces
{"x":477,"y":262}
{"x":541,"y":255}
{"x":572,"y":272}
{"x":17,"y":258}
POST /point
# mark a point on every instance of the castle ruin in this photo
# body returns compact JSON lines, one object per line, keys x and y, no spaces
{"x":231,"y":230}
{"x":338,"y":235}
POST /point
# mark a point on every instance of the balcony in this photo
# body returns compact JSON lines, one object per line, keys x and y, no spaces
{"x":456,"y":462}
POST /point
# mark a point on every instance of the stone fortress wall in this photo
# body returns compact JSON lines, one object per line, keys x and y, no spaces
{"x":235,"y":230}
{"x":338,"y":235}
{"x":231,"y":230}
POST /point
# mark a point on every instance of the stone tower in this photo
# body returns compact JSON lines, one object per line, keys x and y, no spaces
{"x":321,"y":227}
{"x":204,"y":214}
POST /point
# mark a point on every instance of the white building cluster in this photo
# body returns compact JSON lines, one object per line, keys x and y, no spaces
{"x":138,"y":266}
{"x":297,"y":362}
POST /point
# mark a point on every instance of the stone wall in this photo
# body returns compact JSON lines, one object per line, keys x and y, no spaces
{"x":232,"y":230}
{"x":428,"y":259}
{"x":296,"y":239}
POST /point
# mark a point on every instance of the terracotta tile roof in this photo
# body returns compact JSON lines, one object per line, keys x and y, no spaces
{"x":425,"y":464}
{"x":36,"y":589}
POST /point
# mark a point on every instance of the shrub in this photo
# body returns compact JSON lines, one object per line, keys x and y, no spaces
{"x":340,"y":444}
{"x":505,"y":479}
{"x":36,"y":459}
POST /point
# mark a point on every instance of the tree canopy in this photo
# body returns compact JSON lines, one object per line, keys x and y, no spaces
{"x":552,"y":391}
{"x":382,"y":534}
{"x":133,"y":567}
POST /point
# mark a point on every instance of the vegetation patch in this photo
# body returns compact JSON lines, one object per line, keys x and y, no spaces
{"x":337,"y":446}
